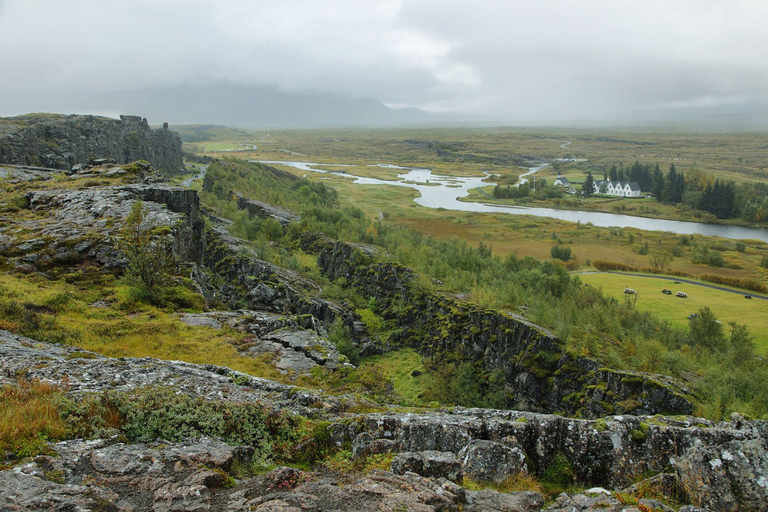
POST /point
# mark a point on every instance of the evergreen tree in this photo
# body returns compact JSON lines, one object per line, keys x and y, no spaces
{"x":679,"y":189}
{"x":588,"y":186}
{"x":658,"y":182}
{"x":668,"y":192}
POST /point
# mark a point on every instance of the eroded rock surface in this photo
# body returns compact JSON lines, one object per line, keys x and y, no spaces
{"x":717,"y":466}
{"x":539,"y":374}
{"x":63,"y":141}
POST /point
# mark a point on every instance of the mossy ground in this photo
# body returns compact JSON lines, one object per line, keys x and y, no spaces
{"x":399,"y":367}
{"x":117,"y":326}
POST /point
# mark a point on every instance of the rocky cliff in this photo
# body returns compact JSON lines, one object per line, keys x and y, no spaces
{"x":63,"y":141}
{"x":539,"y":374}
{"x":720,"y":466}
{"x":176,"y":455}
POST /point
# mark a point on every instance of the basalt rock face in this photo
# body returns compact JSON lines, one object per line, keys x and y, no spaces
{"x":260,"y":209}
{"x":61,"y":142}
{"x":241,"y":280}
{"x":539,"y":375}
{"x":78,"y":224}
{"x":715,"y":466}
{"x":610,"y":452}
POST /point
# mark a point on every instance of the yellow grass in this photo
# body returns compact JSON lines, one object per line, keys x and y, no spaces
{"x":126,"y":329}
{"x":28,"y":417}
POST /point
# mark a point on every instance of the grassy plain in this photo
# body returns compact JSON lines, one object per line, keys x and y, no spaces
{"x":472,"y":152}
{"x":737,"y":156}
{"x":728,"y":307}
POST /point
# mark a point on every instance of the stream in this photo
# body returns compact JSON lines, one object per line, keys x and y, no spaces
{"x":439,"y":191}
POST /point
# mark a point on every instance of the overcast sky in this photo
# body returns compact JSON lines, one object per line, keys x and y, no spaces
{"x":502,"y":59}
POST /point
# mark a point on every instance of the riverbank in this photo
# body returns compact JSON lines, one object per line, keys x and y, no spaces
{"x":647,"y":208}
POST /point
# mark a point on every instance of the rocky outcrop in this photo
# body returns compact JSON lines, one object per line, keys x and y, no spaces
{"x":720,"y":466}
{"x":260,"y":209}
{"x":86,"y":372}
{"x":63,"y":141}
{"x":193,"y":476}
{"x":235,"y":276}
{"x":78,"y":224}
{"x":539,"y":374}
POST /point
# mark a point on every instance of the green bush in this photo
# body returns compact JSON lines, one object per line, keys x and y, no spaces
{"x":560,"y":252}
{"x":340,"y":336}
{"x":161,"y":413}
{"x":150,"y":258}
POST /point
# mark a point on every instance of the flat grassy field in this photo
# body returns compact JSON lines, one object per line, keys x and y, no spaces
{"x":728,"y":307}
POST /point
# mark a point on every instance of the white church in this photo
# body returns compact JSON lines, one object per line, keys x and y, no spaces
{"x":616,"y":188}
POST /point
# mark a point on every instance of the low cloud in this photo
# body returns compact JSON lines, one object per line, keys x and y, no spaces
{"x":516,"y":60}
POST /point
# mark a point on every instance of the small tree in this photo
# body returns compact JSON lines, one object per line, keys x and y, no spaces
{"x":560,"y":252}
{"x":659,"y":260}
{"x":589,"y":184}
{"x":147,"y":249}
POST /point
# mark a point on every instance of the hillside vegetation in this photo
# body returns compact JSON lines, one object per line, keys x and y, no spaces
{"x":717,"y":360}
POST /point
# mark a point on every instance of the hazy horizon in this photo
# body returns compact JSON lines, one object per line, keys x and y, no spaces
{"x":553,"y":62}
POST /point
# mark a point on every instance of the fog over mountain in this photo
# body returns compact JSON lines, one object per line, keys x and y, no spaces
{"x":233,"y":105}
{"x":347,"y":62}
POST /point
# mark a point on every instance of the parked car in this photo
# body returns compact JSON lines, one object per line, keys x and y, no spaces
{"x":629,"y":291}
{"x":681,"y":295}
{"x":666,"y":292}
{"x":747,"y":296}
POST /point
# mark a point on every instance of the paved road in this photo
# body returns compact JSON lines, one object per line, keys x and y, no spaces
{"x":687,"y":281}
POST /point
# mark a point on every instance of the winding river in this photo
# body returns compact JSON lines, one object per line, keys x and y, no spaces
{"x":444,"y":192}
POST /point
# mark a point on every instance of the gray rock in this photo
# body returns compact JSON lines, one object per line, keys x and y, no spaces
{"x":487,"y":461}
{"x":487,"y":499}
{"x":200,"y":320}
{"x":259,"y":209}
{"x":428,"y":464}
{"x":365,"y":445}
{"x":19,"y":491}
{"x":63,"y":142}
{"x":729,"y":476}
{"x":314,"y":347}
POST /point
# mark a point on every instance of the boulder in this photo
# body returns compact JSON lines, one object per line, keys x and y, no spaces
{"x":487,"y":461}
{"x":487,"y":499}
{"x":730,"y":476}
{"x":428,"y":464}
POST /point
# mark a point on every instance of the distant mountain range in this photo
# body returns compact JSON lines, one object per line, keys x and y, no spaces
{"x":231,"y":105}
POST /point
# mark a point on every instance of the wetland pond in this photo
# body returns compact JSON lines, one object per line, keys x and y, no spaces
{"x":444,"y":192}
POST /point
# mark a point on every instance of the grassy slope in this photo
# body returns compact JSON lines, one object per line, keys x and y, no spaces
{"x":734,"y":156}
{"x":125,"y":328}
{"x":728,"y":307}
